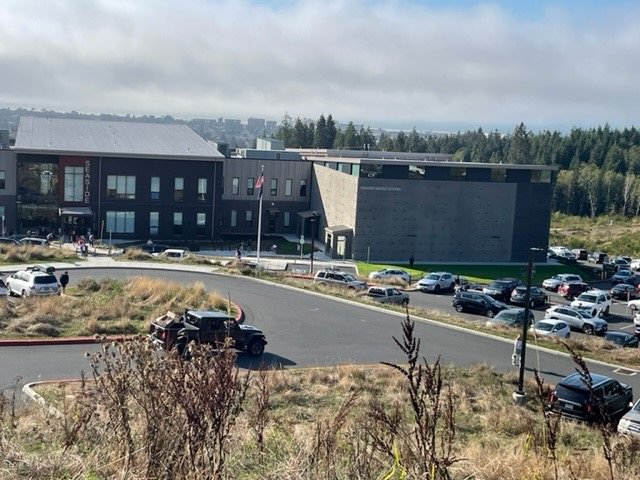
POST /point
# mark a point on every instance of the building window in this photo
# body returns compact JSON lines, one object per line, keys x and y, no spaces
{"x":202,"y":189}
{"x":177,"y":223}
{"x":498,"y":174}
{"x":155,"y":188}
{"x":288,"y":186}
{"x":250,"y":184}
{"x":73,"y":183}
{"x":370,"y":170}
{"x":274,"y":187}
{"x":3,"y":179}
{"x":235,"y":186}
{"x":248,"y":217}
{"x":121,"y":186}
{"x":303,"y":188}
{"x":201,"y":223}
{"x":154,"y":220}
{"x":457,"y":173}
{"x":287,"y":219}
{"x":178,"y":190}
{"x":234,"y":218}
{"x":540,"y":176}
{"x":121,"y":222}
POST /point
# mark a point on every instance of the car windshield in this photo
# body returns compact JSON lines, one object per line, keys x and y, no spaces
{"x":572,"y":278}
{"x":583,"y":313}
{"x":614,"y":338}
{"x":522,"y":289}
{"x":350,"y":278}
{"x":544,"y":326}
{"x":44,"y":279}
{"x":433,"y":276}
{"x":486,"y":298}
{"x":576,"y":395}
{"x":588,"y":297}
{"x":506,"y":316}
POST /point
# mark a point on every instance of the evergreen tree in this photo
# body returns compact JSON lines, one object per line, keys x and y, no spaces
{"x":332,"y":131}
{"x":520,"y":146}
{"x":320,"y":134}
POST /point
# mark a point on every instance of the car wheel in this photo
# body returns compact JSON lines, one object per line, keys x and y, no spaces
{"x":436,"y":289}
{"x":459,"y":308}
{"x":567,"y":335}
{"x":11,"y":291}
{"x":587,"y":330}
{"x":256,"y":348}
{"x":23,"y":294}
{"x":632,"y":307}
{"x":489,"y":313}
{"x":180,"y":347}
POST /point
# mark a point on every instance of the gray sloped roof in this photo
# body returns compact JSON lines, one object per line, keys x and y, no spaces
{"x":111,"y":139}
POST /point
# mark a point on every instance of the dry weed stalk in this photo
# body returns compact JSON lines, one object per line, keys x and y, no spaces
{"x":259,"y":414}
{"x":551,"y":421}
{"x":430,"y":442}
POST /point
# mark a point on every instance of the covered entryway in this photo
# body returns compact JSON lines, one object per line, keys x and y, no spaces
{"x":338,"y":241}
{"x":78,"y":220}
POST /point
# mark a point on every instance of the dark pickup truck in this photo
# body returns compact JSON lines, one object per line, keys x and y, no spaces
{"x":213,"y":327}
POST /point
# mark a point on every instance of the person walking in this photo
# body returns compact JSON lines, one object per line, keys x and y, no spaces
{"x":64,"y":281}
{"x":517,"y":351}
{"x":411,"y":261}
{"x":238,"y":254}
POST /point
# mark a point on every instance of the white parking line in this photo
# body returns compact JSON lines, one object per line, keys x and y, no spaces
{"x":627,"y":326}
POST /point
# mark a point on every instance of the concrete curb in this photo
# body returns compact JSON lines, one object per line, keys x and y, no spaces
{"x":30,"y":394}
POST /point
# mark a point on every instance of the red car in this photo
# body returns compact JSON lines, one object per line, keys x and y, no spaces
{"x":572,"y":290}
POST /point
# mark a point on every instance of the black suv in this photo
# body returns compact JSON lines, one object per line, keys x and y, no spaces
{"x":609,"y":398}
{"x":501,"y":288}
{"x":476,"y":302}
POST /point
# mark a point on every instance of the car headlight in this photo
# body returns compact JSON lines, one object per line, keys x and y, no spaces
{"x":623,"y":424}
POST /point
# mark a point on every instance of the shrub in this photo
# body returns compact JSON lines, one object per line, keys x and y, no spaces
{"x":88,"y":285}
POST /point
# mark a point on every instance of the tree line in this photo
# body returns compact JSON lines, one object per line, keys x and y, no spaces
{"x":598,"y":168}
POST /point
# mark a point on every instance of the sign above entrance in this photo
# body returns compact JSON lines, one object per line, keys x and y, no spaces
{"x":87,"y":181}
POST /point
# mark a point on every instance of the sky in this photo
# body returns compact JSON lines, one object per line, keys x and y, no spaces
{"x":439,"y":65}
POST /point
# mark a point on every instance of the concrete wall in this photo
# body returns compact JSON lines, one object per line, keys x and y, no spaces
{"x":334,"y":196}
{"x":532,"y":219}
{"x":435,"y":221}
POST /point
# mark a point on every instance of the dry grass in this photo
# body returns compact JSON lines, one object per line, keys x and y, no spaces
{"x":105,"y":307}
{"x":495,"y":439}
{"x":10,"y":254}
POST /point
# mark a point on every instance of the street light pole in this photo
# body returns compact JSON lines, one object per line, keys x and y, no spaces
{"x":519,"y":395}
{"x":314,"y":218}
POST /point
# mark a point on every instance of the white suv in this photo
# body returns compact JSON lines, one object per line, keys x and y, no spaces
{"x":436,"y":282}
{"x":335,"y":277}
{"x":596,"y":302}
{"x":33,"y":281}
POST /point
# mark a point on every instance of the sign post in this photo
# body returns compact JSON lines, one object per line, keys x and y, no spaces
{"x":301,"y":246}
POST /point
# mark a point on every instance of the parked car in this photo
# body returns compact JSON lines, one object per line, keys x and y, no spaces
{"x":606,"y":399}
{"x":624,"y":276}
{"x":536,"y":296}
{"x":9,"y":241}
{"x":336,"y":277}
{"x":38,"y":242}
{"x":598,"y":257}
{"x":572,"y":289}
{"x":622,"y":339}
{"x":597,"y":302}
{"x":513,"y":317}
{"x":149,"y":247}
{"x":624,"y":291}
{"x":172,"y":254}
{"x":635,"y":264}
{"x":580,"y":253}
{"x":387,"y":294}
{"x":554,"y":282}
{"x":620,"y":263}
{"x":551,"y":328}
{"x":389,"y":274}
{"x":634,"y":305}
{"x":629,"y":424}
{"x":35,"y":280}
{"x":437,"y":281}
{"x":577,"y":319}
{"x":502,"y":288}
{"x":477,"y":302}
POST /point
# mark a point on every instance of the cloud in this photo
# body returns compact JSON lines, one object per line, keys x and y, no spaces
{"x":378,"y":62}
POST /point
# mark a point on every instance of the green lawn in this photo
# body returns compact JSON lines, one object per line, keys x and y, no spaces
{"x":485,"y":273}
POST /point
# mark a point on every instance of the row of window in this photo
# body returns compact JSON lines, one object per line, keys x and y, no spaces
{"x":273,"y":186}
{"x":124,"y":186}
{"x":248,"y":218}
{"x":420,"y":171}
{"x":124,"y":222}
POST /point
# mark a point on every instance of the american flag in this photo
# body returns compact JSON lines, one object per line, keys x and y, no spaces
{"x":260,"y":183}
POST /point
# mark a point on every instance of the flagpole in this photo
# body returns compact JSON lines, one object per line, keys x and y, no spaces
{"x":260,"y":218}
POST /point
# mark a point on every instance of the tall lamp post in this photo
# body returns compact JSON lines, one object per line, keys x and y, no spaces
{"x":518,"y":395}
{"x":314,"y":220}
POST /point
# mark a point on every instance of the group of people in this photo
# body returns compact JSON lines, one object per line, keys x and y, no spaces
{"x":82,"y":245}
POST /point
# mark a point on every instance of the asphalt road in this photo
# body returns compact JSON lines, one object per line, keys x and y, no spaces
{"x":304,"y":330}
